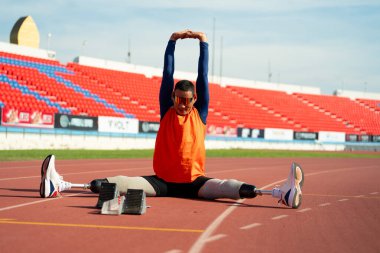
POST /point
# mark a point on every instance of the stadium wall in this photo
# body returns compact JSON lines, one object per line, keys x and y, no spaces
{"x":15,"y":138}
{"x":62,"y":131}
{"x":27,"y":51}
{"x":357,"y":94}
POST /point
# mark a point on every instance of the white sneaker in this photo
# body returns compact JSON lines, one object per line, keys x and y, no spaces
{"x":290,"y":193}
{"x":51,"y":182}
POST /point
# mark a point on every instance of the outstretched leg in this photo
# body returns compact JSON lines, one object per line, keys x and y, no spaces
{"x":52,"y":184}
{"x":124,"y":183}
{"x":289,"y":194}
{"x":227,"y":188}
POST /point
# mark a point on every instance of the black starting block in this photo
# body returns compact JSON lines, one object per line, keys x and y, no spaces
{"x":135,"y":202}
{"x":107,"y":192}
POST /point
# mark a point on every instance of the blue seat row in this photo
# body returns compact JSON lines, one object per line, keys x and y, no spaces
{"x":51,"y":71}
{"x":25,"y":90}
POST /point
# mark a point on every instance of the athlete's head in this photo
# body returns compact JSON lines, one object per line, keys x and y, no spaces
{"x":184,"y":97}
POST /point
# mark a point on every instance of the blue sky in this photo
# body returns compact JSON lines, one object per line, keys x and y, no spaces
{"x":331,"y":44}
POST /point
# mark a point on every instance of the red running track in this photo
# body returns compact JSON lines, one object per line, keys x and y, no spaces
{"x":340,"y":211}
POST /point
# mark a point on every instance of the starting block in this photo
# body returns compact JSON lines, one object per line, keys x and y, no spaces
{"x":113,"y":206}
{"x":134,"y":202}
{"x":107,"y":192}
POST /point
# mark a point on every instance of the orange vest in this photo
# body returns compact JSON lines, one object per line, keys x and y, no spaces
{"x":179,"y":155}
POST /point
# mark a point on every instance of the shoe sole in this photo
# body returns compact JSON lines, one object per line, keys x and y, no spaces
{"x":300,"y":179}
{"x":45,"y":165}
{"x":295,"y":205}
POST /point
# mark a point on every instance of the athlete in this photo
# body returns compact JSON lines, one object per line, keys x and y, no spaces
{"x":179,"y":155}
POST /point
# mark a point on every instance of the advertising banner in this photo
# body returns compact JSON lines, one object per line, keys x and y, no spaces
{"x":148,"y":127}
{"x":365,"y":138}
{"x":352,"y":137}
{"x":305,"y":136}
{"x":213,"y":130}
{"x":331,"y":136}
{"x":118,"y":125}
{"x":76,"y":122}
{"x":250,"y":133}
{"x":26,"y":118}
{"x":278,"y":134}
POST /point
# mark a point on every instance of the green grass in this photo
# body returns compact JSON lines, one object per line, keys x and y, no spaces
{"x":19,"y":155}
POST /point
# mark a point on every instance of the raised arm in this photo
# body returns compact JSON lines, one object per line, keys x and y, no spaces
{"x":202,"y":79}
{"x":167,"y":83}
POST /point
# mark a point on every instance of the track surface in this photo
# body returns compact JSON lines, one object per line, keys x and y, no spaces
{"x":340,"y":210}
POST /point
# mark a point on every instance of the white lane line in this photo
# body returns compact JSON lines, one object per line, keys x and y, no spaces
{"x":77,"y":173}
{"x":16,"y":178}
{"x":36,"y":202}
{"x":359,"y":196}
{"x":38,"y":165}
{"x":342,"y":200}
{"x":174,"y":251}
{"x":374,"y":193}
{"x":304,"y":210}
{"x":242,"y":169}
{"x":253,"y":225}
{"x":325,"y":204}
{"x":215,"y":238}
{"x":279,"y":217}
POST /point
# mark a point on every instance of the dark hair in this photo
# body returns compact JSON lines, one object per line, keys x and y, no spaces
{"x":185,"y":85}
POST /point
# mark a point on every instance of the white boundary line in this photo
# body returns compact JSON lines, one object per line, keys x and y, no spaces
{"x":279,"y":217}
{"x":73,"y":164}
{"x":36,"y":202}
{"x":77,"y":173}
{"x":253,"y":225}
{"x":215,"y":237}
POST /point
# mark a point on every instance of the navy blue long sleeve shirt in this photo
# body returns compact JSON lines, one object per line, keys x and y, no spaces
{"x":202,"y":88}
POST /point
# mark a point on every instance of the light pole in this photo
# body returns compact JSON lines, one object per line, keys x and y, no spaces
{"x":221,"y":61}
{"x":83,"y":46}
{"x":213,"y":50}
{"x":48,"y":41}
{"x":129,"y":51}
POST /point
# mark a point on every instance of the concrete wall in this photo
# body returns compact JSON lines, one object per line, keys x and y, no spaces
{"x":21,"y":138}
{"x":357,"y":94}
{"x":27,"y":51}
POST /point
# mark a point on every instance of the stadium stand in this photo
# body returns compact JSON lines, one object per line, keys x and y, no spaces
{"x":42,"y":79}
{"x":295,"y":114}
{"x":133,"y":92}
{"x":47,"y":85}
{"x":372,"y":105}
{"x":229,"y":107}
{"x":354,"y":114}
